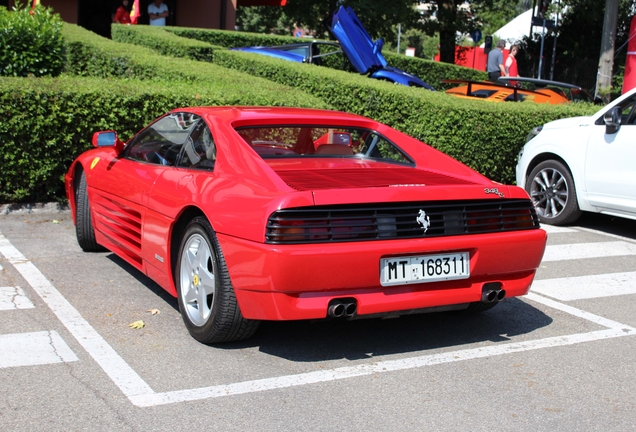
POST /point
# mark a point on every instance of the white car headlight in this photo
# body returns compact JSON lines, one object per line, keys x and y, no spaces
{"x":534,"y":132}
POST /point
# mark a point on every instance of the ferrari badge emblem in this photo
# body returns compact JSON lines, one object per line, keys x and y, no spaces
{"x":94,"y":162}
{"x":423,"y":220}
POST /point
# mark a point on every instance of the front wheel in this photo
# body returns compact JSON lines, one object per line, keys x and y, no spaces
{"x":551,"y":187}
{"x":206,"y":297}
{"x":84,"y":230}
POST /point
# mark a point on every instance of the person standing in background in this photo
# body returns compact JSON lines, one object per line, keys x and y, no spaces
{"x":495,"y":66}
{"x":158,"y":11}
{"x":122,"y":14}
{"x":511,"y":64}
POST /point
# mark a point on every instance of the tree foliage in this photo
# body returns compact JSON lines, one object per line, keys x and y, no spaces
{"x":453,"y":18}
{"x":578,"y":43}
{"x":491,"y":16}
{"x":443,"y":20}
{"x":378,"y":16}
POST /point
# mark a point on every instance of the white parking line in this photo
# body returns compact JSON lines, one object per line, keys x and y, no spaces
{"x":551,"y":229}
{"x":374,"y":368}
{"x":588,"y":250}
{"x":30,"y":349}
{"x":140,"y":394}
{"x":587,"y":287}
{"x":115,"y":367}
{"x":14,"y":298}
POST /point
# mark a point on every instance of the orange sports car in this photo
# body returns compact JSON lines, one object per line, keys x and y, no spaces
{"x":524,"y":89}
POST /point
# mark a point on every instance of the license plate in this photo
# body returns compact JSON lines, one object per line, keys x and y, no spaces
{"x":424,"y":268}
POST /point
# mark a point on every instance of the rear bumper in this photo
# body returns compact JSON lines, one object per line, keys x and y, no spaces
{"x":291,"y":282}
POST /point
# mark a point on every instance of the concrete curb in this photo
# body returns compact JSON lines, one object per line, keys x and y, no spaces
{"x":34,"y":208}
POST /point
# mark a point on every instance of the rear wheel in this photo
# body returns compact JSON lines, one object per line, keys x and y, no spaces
{"x":206,"y":297}
{"x":84,"y":224}
{"x":551,"y":187}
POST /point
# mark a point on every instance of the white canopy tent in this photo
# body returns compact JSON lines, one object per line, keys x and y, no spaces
{"x":516,"y":29}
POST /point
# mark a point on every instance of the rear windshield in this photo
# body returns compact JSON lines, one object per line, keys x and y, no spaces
{"x":321,"y":141}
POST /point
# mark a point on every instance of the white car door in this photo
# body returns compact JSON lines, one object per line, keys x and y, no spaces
{"x":610,"y":163}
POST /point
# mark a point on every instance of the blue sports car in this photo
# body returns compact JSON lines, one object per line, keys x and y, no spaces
{"x":364,"y":54}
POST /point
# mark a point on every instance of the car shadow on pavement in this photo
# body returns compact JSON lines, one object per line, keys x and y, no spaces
{"x":336,"y":339}
{"x":310,"y":341}
{"x":145,"y":281}
{"x":608,"y":224}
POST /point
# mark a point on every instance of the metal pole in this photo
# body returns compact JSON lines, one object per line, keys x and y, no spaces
{"x":534,"y":5}
{"x":399,"y":37}
{"x":556,"y":35}
{"x":541,"y":52}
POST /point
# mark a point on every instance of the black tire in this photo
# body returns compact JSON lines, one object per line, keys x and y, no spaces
{"x":206,"y":297}
{"x":84,"y":223}
{"x":551,"y":187}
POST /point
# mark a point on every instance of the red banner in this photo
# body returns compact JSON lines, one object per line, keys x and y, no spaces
{"x":33,"y":5}
{"x":135,"y":12}
{"x":629,"y":80}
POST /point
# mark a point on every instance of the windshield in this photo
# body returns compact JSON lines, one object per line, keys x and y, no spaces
{"x":321,"y":141}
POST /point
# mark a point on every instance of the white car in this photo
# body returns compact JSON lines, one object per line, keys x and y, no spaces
{"x":583,"y":164}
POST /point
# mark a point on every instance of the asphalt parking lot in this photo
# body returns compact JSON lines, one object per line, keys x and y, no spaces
{"x":560,"y":358}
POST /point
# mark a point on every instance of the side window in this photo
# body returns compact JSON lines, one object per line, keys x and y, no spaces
{"x":161,"y":142}
{"x":199,"y":150}
{"x":629,"y":112}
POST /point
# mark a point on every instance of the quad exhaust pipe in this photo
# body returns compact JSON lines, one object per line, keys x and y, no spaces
{"x":348,"y":307}
{"x":492,"y":292}
{"x":342,"y":308}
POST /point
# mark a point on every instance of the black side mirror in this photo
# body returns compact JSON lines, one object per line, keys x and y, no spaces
{"x":612,"y":119}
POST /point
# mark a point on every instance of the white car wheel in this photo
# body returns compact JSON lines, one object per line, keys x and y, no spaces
{"x":551,"y":187}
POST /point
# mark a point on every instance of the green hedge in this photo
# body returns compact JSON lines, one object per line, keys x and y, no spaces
{"x":49,"y":121}
{"x":31,"y":44}
{"x":163,"y":42}
{"x":429,"y":71}
{"x":91,"y":55}
{"x":232,"y":39}
{"x":152,"y":37}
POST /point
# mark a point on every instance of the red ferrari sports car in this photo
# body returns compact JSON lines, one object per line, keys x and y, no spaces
{"x":252,"y":213}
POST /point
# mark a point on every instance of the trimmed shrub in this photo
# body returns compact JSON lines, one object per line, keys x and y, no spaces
{"x":92,"y":55}
{"x":429,"y":71}
{"x":232,"y":39}
{"x":32,"y":44}
{"x":163,"y":42}
{"x":49,"y":121}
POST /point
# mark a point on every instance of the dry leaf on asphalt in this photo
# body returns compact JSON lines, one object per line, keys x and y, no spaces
{"x":154,"y":311}
{"x":137,"y":325}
